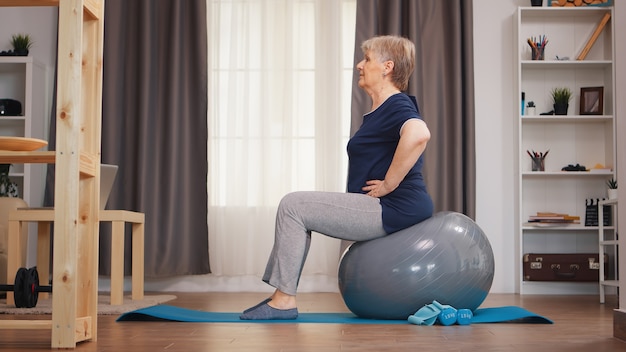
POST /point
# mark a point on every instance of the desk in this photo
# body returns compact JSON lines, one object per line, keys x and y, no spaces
{"x":44,"y":217}
{"x":119,"y":218}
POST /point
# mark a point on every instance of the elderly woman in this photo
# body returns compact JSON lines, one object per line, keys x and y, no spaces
{"x":386,"y":190}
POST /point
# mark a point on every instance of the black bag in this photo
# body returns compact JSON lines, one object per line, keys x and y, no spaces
{"x":10,"y":107}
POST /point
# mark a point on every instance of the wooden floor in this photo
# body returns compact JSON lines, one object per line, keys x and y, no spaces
{"x":581,"y":324}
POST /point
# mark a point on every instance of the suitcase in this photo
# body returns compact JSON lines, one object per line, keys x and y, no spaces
{"x":576,"y":267}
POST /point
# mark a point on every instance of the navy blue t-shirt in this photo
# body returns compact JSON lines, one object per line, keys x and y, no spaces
{"x":370,"y":152}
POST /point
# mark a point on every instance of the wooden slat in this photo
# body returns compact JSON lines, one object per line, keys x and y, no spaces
{"x":32,"y":214}
{"x":84,"y":328}
{"x":92,"y":8}
{"x":91,"y":124}
{"x":138,"y":254}
{"x":41,"y":157}
{"x":67,"y":190}
{"x":14,"y":258}
{"x":25,"y":324}
{"x":26,"y":3}
{"x":88,"y":162}
{"x":43,"y":254}
{"x":122,"y":215}
{"x":89,"y":165}
{"x":117,"y":262}
{"x":83,"y":332}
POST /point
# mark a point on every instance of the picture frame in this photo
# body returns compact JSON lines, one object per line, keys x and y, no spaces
{"x":592,"y":100}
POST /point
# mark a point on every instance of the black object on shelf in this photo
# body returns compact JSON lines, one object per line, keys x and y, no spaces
{"x":591,"y":213}
{"x":576,"y":167}
{"x":10,"y":107}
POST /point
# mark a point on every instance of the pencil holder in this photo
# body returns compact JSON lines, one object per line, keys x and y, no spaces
{"x":538,"y":53}
{"x":538,"y":163}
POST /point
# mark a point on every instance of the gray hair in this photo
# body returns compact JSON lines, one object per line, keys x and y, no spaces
{"x":397,"y":49}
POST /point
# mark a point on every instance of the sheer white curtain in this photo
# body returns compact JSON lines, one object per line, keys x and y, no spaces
{"x":280,"y":74}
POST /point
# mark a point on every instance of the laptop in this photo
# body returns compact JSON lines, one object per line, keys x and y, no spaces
{"x":107,"y":178}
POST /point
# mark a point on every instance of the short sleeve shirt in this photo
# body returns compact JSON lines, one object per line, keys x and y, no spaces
{"x":370,"y":152}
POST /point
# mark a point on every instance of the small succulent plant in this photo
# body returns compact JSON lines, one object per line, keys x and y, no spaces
{"x":612,"y":183}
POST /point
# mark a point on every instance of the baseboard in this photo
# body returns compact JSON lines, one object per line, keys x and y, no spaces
{"x":219,"y":283}
{"x":619,"y":324}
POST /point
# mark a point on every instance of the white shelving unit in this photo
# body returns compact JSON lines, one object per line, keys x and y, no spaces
{"x":608,"y":244}
{"x":22,"y":78}
{"x":587,"y":140}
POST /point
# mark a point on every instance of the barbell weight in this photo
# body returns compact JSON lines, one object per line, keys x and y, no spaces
{"x":26,"y":288}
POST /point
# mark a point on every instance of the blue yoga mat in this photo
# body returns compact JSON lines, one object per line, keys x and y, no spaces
{"x":508,"y":314}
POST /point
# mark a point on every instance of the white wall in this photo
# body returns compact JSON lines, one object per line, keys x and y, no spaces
{"x":495,"y":123}
{"x":496,"y":134}
{"x":620,"y":82}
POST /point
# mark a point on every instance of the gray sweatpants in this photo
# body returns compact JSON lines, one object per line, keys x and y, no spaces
{"x":347,"y":216}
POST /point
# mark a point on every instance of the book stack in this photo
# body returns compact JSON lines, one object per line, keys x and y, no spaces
{"x":555,"y":219}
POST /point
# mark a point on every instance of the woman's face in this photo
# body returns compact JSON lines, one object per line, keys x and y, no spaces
{"x":370,"y":71}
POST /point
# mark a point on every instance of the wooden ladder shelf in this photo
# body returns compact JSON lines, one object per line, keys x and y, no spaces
{"x":77,"y":177}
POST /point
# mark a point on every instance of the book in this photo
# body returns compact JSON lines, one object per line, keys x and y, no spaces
{"x":555,"y":218}
{"x":563,"y":217}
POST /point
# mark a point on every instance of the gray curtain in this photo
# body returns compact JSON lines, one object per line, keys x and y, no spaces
{"x":154,"y":128}
{"x":443,"y":83}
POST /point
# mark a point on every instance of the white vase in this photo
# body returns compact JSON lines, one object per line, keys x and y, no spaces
{"x":612,"y":193}
{"x":531,"y":111}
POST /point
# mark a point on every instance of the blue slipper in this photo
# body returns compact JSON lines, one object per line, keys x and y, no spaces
{"x":265,"y":312}
{"x":257,"y":305}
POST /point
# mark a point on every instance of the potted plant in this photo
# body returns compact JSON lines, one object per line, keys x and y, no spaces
{"x":531,"y":109}
{"x":21,"y":44}
{"x":612,"y":191}
{"x":8,"y":188}
{"x":560,"y":98}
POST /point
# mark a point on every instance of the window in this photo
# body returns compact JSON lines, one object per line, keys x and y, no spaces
{"x":280,"y":78}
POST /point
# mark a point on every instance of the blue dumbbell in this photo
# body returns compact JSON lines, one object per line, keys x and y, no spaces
{"x":464,"y":316}
{"x":448,"y":314}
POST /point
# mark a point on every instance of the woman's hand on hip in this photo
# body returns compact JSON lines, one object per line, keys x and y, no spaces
{"x":377,"y":188}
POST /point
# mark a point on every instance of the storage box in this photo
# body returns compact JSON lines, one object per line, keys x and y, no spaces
{"x":578,"y":267}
